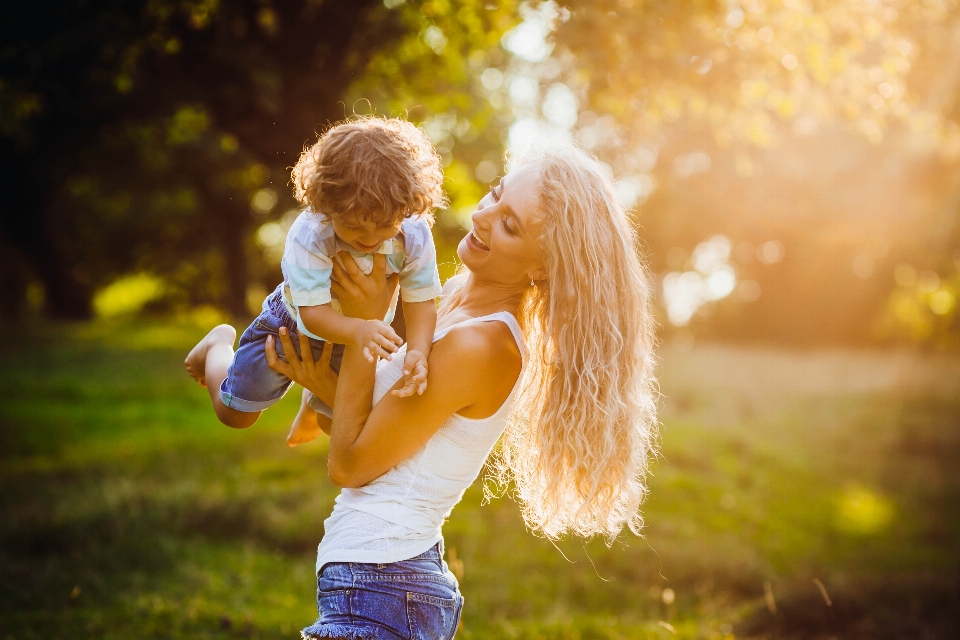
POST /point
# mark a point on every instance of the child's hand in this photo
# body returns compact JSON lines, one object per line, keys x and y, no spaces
{"x":415,"y":374}
{"x":377,"y":338}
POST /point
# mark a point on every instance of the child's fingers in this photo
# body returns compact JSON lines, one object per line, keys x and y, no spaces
{"x":385,"y":342}
{"x":387,"y":332}
{"x":405,"y":391}
{"x":377,"y":350}
{"x":419,"y":374}
{"x":366,"y":354}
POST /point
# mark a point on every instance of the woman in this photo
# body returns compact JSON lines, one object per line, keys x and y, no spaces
{"x":551,"y":265}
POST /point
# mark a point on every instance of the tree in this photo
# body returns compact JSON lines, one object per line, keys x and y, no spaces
{"x":134,"y":135}
{"x":825,"y":132}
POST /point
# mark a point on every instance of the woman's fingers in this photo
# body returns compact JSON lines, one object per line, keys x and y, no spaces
{"x":273,"y":360}
{"x":379,"y":266}
{"x":306,"y":353}
{"x":296,"y":365}
{"x":348,"y":265}
{"x":325,"y":356}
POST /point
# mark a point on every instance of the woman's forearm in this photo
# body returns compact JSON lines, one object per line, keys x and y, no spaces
{"x":353,"y":402}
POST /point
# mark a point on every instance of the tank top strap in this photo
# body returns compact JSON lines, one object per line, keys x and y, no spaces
{"x":500,"y":316}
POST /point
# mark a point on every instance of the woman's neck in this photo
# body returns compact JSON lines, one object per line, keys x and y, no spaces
{"x":476,"y":299}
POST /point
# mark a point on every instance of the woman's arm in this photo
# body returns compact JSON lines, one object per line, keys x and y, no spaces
{"x":367,"y":442}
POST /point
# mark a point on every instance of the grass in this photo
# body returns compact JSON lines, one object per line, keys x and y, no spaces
{"x":127,"y":511}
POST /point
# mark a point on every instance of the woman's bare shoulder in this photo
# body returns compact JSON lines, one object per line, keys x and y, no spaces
{"x":480,"y":345}
{"x":478,"y":363}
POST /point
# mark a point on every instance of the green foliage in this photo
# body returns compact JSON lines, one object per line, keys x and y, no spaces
{"x":814,"y":124}
{"x":181,"y":114}
{"x":127,"y":510}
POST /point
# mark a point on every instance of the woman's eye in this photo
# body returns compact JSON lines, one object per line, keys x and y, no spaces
{"x":507,"y":226}
{"x":495,"y":192}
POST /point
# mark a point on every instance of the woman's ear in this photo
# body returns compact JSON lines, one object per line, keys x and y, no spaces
{"x":537,"y":274}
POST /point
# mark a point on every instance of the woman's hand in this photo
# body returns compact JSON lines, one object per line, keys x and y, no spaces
{"x":362,"y":296}
{"x":314,"y":375}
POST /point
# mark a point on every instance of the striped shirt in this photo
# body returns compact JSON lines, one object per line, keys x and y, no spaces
{"x":312,"y":246}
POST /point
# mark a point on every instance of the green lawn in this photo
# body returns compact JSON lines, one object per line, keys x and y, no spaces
{"x":127,"y":511}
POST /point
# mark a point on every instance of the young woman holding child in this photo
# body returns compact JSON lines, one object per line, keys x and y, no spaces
{"x":545,"y":343}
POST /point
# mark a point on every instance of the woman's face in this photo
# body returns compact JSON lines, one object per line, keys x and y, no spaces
{"x":504,"y":243}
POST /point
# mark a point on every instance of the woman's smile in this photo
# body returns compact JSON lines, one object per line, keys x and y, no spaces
{"x":474,"y":241}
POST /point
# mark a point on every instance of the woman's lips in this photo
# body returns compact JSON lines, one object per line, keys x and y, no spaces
{"x":475,"y":243}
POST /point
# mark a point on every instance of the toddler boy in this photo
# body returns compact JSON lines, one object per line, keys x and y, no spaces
{"x":369,"y":186}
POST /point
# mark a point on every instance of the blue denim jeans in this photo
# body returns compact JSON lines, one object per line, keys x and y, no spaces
{"x":251,"y":385}
{"x":415,"y":599}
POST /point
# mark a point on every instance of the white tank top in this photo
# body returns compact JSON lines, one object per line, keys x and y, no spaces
{"x":399,"y":515}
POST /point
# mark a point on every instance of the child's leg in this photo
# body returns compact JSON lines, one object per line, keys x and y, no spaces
{"x":308,"y":424}
{"x":208,"y":363}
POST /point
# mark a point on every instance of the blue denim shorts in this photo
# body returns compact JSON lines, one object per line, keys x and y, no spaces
{"x":415,"y":599}
{"x":251,"y":385}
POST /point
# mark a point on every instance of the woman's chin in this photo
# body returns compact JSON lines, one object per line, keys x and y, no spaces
{"x":464,"y":253}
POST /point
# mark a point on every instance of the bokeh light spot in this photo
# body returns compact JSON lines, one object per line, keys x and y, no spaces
{"x":263,"y":201}
{"x":749,"y":291}
{"x":928,"y":281}
{"x":861,"y":511}
{"x":905,"y":275}
{"x":491,"y":79}
{"x":127,"y":295}
{"x":942,"y":302}
{"x":485,"y":171}
{"x":771,"y":252}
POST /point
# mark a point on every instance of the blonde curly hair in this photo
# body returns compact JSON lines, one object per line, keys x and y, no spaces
{"x":378,"y":169}
{"x":581,"y":437}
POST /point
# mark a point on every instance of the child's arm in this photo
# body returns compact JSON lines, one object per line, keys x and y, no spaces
{"x":375,"y":337}
{"x":421,"y":321}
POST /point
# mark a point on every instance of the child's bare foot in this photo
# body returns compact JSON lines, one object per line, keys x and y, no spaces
{"x":197,"y":358}
{"x":305,"y":426}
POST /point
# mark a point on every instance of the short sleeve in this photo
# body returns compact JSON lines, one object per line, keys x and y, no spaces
{"x":419,"y":278}
{"x":306,"y":263}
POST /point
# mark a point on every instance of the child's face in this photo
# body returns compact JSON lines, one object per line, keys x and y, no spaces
{"x":362,"y":234}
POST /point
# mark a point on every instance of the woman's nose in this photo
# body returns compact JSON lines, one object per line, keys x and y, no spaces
{"x":480,"y":216}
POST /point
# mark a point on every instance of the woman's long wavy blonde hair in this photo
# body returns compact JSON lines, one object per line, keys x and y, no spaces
{"x":584,"y":429}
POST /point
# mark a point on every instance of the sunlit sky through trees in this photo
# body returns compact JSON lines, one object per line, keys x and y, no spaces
{"x":792,"y":166}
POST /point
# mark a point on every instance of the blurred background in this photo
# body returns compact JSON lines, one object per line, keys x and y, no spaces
{"x":791,"y":167}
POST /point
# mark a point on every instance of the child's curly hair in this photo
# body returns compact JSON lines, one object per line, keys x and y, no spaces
{"x":378,"y":169}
